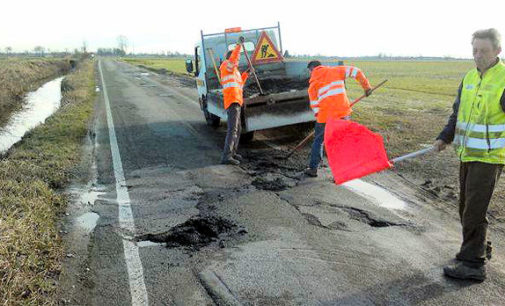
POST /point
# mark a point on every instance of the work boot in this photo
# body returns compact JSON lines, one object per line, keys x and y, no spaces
{"x":312,"y":172}
{"x":238,"y":157}
{"x":230,"y":161}
{"x":460,"y":271}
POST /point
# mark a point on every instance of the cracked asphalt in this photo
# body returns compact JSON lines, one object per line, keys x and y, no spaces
{"x":258,"y":234}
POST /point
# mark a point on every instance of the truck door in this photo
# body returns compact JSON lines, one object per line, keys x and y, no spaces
{"x":200,"y":72}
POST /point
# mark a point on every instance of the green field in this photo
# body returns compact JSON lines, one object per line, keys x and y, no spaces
{"x":175,"y":65}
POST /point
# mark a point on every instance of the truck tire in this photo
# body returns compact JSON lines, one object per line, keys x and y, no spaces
{"x":211,"y":119}
{"x":247,"y":137}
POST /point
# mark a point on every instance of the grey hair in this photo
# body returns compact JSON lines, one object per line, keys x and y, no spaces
{"x":492,"y":34}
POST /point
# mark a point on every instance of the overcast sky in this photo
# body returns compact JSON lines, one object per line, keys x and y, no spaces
{"x":335,"y":28}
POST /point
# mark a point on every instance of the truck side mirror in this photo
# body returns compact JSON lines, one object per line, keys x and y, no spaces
{"x":189,"y":65}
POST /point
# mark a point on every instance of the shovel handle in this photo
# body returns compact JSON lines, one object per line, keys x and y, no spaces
{"x":252,"y":69}
{"x":301,"y":144}
{"x":363,"y":96}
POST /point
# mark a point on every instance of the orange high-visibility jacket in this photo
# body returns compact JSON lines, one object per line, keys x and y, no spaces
{"x":231,"y":79}
{"x":327,"y":91}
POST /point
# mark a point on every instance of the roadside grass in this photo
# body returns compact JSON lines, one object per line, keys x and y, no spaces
{"x":20,"y":75}
{"x":174,"y":65}
{"x":31,"y":176}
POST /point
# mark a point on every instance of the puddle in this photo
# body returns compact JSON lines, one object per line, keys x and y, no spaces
{"x":87,"y":221}
{"x":375,"y":193}
{"x":39,"y":105}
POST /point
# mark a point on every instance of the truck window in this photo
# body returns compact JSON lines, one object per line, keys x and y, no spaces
{"x":248,"y":45}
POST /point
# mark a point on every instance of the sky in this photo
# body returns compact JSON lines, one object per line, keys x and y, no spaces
{"x":316,"y":27}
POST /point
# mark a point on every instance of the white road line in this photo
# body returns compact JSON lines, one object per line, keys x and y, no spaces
{"x":138,"y":290}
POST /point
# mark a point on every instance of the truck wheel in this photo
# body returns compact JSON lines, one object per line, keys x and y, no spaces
{"x":212,"y":120}
{"x":247,"y":137}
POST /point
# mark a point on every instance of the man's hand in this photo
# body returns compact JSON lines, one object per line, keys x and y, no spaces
{"x":439,"y":145}
{"x":241,"y":40}
{"x":368,"y":92}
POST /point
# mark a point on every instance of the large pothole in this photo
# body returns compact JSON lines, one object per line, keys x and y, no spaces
{"x":197,"y":233}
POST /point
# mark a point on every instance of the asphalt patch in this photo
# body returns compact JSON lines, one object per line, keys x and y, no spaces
{"x":271,"y":86}
{"x":277,"y":184}
{"x":197,"y":233}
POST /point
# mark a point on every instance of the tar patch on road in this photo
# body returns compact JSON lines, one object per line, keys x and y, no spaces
{"x":197,"y":233}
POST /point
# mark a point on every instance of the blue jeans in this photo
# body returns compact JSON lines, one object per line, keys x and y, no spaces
{"x":316,"y":154}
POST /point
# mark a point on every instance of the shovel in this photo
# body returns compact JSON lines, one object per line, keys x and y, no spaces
{"x":251,"y":67}
{"x":306,"y":139}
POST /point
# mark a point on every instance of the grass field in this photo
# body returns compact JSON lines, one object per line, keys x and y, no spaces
{"x":175,"y":65}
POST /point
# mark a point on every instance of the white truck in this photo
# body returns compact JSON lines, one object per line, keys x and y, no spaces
{"x":285,"y":100}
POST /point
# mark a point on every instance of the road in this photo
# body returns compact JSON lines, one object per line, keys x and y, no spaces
{"x":175,"y":227}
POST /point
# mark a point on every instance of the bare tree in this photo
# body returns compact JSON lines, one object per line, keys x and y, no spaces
{"x":8,"y":50}
{"x":84,"y":46}
{"x":122,"y":43}
{"x":39,"y":50}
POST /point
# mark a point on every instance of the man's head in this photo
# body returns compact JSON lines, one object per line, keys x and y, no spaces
{"x":486,"y":47}
{"x":313,"y":64}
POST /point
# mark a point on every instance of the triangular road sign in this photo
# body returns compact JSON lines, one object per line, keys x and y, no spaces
{"x":265,"y":51}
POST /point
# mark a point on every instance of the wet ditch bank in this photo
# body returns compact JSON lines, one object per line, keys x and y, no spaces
{"x":19,"y":76}
{"x":38,"y":106}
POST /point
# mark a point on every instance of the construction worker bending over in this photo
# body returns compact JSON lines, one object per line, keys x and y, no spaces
{"x":328,"y":100}
{"x":232,"y":82}
{"x":477,"y":127}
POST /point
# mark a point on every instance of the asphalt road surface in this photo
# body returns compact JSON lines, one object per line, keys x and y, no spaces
{"x":173,"y":226}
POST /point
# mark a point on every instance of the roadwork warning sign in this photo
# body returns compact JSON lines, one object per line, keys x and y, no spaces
{"x":265,"y":51}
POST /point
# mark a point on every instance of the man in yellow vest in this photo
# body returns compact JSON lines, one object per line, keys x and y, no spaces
{"x":477,"y":127}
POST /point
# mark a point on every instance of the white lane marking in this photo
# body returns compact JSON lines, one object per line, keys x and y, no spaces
{"x":377,"y":194}
{"x":138,"y":290}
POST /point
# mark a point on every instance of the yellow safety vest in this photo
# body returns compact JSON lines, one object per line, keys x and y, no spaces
{"x":480,"y":128}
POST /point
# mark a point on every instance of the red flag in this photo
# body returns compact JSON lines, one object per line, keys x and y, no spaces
{"x":353,"y":150}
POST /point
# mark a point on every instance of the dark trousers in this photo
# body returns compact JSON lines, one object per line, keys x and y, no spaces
{"x":233,"y":131}
{"x":316,"y":154}
{"x":477,"y":182}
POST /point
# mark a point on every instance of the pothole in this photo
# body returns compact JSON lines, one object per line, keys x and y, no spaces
{"x":197,"y":233}
{"x":276,"y":184}
{"x":365,"y":217}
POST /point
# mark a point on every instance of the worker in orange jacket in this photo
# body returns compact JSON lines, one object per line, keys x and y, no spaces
{"x":233,"y":83}
{"x":328,"y":100}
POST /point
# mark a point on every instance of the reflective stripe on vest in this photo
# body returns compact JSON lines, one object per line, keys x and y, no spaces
{"x":322,"y":90}
{"x":479,"y":143}
{"x":232,"y":84}
{"x":228,"y":77}
{"x":333,"y":92}
{"x":481,"y":128}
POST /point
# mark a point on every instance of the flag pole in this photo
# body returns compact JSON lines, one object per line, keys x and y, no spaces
{"x":413,"y":154}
